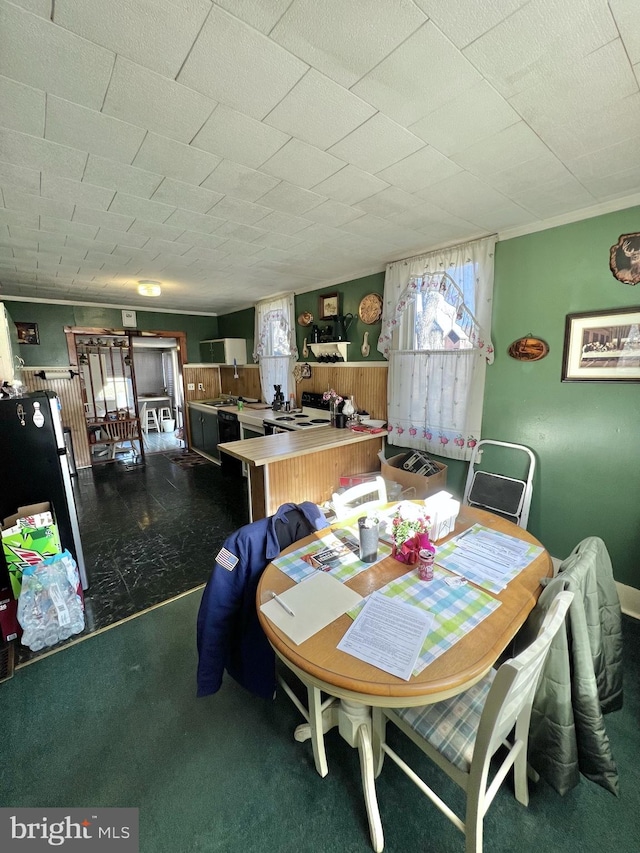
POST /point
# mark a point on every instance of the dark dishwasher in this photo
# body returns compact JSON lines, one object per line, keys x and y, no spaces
{"x":229,"y":430}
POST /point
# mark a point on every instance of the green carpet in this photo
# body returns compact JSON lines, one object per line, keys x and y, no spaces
{"x":113,"y":721}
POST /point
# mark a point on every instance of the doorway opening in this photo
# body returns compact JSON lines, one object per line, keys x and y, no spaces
{"x":132,"y":391}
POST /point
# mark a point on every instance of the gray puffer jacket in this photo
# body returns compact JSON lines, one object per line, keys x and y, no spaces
{"x":582,"y":677}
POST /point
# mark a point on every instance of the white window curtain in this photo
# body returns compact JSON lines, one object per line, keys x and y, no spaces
{"x":275,"y":345}
{"x":436,"y":328}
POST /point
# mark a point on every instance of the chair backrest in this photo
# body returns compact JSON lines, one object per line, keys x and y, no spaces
{"x":351,"y":500}
{"x":514,"y":686}
{"x":507,"y":496}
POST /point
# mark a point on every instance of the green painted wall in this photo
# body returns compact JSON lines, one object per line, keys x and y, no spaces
{"x":239,"y":324}
{"x":51,"y":320}
{"x":585,"y":435}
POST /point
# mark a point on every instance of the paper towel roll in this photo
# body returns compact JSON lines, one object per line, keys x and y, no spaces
{"x":55,"y":374}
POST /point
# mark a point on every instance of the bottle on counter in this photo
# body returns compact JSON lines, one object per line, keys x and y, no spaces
{"x":240,"y":404}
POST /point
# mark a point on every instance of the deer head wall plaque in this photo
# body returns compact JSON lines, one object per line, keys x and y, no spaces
{"x":624,"y":258}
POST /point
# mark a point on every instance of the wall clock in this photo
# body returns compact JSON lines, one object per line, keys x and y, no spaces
{"x":370,"y":309}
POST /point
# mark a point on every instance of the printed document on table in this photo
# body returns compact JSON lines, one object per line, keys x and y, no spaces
{"x":389,"y":634}
{"x":315,"y":603}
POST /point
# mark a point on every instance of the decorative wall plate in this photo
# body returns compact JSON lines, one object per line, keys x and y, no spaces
{"x":305,"y":318}
{"x":370,"y":309}
{"x":528,"y":349}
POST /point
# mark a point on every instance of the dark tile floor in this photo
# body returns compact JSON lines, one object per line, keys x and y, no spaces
{"x":150,"y":532}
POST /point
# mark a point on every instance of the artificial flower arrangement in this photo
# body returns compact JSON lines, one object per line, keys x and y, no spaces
{"x":410,"y":532}
{"x":332,"y":396}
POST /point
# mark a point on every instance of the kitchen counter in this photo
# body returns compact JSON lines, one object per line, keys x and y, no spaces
{"x":305,"y":465}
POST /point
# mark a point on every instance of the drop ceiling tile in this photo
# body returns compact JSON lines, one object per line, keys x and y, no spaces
{"x":257,"y":13}
{"x":196,"y":238}
{"x":377,"y":144}
{"x":18,"y":219}
{"x":165,"y":247}
{"x":625,"y":13}
{"x":241,"y":248}
{"x":524,"y":50}
{"x":40,"y":154}
{"x":607,"y":161}
{"x":463,"y":195}
{"x":244,"y":212}
{"x":76,"y":192}
{"x":26,"y":203}
{"x":130,"y":205}
{"x":156,"y":230}
{"x":472,"y":116}
{"x":350,"y":185}
{"x":25,"y":180}
{"x":37,"y":52}
{"x":455,"y":20}
{"x":284,"y":223}
{"x":234,"y":179}
{"x":79,"y":127}
{"x":607,"y":187}
{"x":332,"y":212}
{"x":589,"y":83}
{"x":254,"y":86}
{"x":157,"y":35}
{"x":119,"y":176}
{"x":174,"y":159}
{"x":38,"y":7}
{"x":236,"y":136}
{"x":122,"y":238}
{"x":511,"y":215}
{"x":438,"y":73}
{"x":64,"y":226}
{"x":147,"y":99}
{"x":273,"y":240}
{"x":240,"y":232}
{"x":319,"y":111}
{"x":367,"y":32}
{"x":591,"y":131}
{"x":186,"y":196}
{"x":555,"y":197}
{"x":302,"y":164}
{"x":89,"y":245}
{"x":290,"y":199}
{"x":419,"y":170}
{"x":21,"y":107}
{"x":320,"y":233}
{"x":188,"y":219}
{"x":509,"y":147}
{"x":390,"y":201}
{"x":523,"y":176}
{"x":115,"y":221}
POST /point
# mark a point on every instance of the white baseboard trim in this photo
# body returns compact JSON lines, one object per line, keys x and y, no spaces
{"x":629,"y":600}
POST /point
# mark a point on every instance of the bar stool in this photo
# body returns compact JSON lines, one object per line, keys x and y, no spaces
{"x":149,"y":418}
{"x":164,"y":414}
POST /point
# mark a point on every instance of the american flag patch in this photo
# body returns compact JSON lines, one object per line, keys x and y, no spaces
{"x":226,"y":559}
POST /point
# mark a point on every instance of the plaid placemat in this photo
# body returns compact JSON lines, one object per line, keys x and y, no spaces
{"x":456,"y":610}
{"x":488,"y":558}
{"x":337,"y":552}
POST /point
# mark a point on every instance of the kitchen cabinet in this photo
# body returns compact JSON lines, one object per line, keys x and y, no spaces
{"x":203,"y":433}
{"x":224,"y":351}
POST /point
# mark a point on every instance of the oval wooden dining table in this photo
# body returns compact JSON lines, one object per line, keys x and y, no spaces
{"x":322,"y":667}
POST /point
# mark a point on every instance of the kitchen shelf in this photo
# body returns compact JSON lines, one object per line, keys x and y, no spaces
{"x":332,"y":348}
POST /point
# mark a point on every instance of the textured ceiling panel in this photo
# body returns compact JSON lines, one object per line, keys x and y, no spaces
{"x":237,"y":148}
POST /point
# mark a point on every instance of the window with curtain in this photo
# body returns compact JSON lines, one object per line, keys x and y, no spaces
{"x":436,"y":334}
{"x":275,"y":345}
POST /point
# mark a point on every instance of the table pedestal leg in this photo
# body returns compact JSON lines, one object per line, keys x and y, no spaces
{"x":355,"y":728}
{"x":321,"y":720}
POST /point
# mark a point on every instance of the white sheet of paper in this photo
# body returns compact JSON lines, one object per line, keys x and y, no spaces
{"x":389,"y":634}
{"x":316,"y":601}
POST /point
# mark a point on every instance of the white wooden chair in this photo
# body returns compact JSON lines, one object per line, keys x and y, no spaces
{"x":462,"y":734}
{"x":350,"y":502}
{"x":509,"y":497}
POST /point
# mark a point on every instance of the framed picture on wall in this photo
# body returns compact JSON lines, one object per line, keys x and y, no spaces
{"x":328,"y":306}
{"x":28,"y":333}
{"x":602,"y":346}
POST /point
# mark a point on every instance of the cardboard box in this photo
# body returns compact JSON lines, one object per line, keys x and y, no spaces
{"x":27,"y":537}
{"x":392,"y":470}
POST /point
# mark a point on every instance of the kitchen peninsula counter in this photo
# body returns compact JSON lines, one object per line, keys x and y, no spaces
{"x":305,"y":465}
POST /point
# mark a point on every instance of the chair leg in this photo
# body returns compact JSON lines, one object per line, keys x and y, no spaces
{"x":474,"y":817}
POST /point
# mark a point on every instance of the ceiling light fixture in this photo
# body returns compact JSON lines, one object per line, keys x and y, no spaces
{"x":149,"y":288}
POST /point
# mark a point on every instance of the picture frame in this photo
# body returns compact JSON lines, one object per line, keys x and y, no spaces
{"x":27,"y":333}
{"x":602,"y":346}
{"x":328,"y":306}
